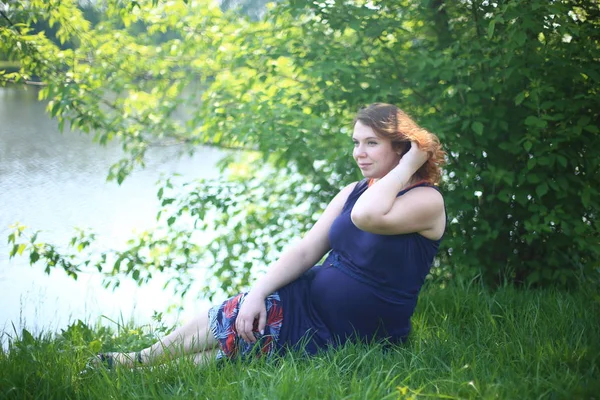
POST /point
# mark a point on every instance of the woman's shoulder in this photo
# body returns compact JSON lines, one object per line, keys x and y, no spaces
{"x":353,"y":187}
{"x":356,"y":188}
{"x":349,"y":193}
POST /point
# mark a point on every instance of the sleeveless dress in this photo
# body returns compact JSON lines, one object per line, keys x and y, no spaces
{"x":366,"y":289}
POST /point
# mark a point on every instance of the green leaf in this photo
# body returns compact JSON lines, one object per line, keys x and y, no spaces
{"x":527,"y":145}
{"x":586,"y":197}
{"x":477,"y":127}
{"x":520,"y":38}
{"x":562,"y":182}
{"x":531,"y":120}
{"x":533,"y":178}
{"x":490,"y":30}
{"x":504,"y":195}
{"x":545,"y":160}
{"x":584,"y":120}
{"x":26,"y":337}
{"x":542,"y":189}
{"x":21,"y":248}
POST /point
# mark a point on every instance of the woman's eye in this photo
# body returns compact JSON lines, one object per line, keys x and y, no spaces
{"x":372,"y":143}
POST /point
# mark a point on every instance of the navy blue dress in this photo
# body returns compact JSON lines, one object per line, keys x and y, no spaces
{"x":367,"y":287}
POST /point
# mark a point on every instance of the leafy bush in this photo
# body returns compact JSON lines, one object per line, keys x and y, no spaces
{"x":510,"y":87}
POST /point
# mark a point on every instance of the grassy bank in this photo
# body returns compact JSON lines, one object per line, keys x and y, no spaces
{"x":467,"y":343}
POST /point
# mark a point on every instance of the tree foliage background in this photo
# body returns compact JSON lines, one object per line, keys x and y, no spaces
{"x":510,"y":87}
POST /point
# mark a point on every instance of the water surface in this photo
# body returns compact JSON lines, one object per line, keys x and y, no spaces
{"x":54,"y":182}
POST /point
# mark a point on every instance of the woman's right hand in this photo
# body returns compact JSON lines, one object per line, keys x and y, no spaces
{"x":252,"y":311}
{"x":415,"y":157}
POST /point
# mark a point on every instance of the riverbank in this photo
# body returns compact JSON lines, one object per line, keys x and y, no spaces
{"x":14,"y":66}
{"x":467,"y":343}
{"x":9,"y":66}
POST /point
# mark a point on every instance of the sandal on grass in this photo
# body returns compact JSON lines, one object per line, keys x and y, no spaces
{"x":98,"y":361}
{"x":108,"y":360}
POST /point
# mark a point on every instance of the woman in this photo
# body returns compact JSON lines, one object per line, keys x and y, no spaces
{"x":381,"y":234}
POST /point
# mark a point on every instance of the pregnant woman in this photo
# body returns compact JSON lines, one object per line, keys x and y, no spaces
{"x":379,"y":236}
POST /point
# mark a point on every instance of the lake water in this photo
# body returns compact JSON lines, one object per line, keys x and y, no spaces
{"x":54,"y":182}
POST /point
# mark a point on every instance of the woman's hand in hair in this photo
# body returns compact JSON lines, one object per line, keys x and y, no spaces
{"x":414,"y":158}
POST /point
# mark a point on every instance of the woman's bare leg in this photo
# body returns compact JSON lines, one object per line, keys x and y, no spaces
{"x":193,"y":337}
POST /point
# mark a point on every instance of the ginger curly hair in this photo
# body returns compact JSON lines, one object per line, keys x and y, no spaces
{"x":390,"y":122}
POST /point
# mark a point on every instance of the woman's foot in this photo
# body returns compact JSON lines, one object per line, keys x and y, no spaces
{"x":111,"y":360}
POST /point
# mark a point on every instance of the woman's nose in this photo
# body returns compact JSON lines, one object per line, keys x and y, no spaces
{"x":359,"y":151}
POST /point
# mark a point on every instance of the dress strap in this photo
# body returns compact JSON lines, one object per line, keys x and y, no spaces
{"x":419,"y":184}
{"x":423,"y":182}
{"x":360,"y":187}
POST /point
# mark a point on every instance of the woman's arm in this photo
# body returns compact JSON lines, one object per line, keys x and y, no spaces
{"x":293,"y":262}
{"x":379,"y":210}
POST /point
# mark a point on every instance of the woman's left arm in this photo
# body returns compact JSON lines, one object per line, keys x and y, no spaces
{"x":379,"y":210}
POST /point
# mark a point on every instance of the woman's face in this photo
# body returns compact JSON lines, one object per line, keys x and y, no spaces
{"x":374,"y":154}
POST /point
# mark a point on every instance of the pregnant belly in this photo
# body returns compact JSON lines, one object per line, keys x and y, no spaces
{"x":348,"y":306}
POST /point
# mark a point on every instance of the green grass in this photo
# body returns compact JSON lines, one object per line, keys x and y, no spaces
{"x":467,"y":343}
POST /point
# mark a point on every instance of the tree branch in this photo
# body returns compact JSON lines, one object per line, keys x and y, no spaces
{"x":6,"y":18}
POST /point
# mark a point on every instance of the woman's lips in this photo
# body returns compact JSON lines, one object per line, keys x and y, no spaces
{"x":362,"y":166}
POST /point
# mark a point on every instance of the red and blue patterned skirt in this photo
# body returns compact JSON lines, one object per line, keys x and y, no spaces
{"x":231,"y":345}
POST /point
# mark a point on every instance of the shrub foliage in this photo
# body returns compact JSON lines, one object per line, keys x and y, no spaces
{"x":511,"y":88}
